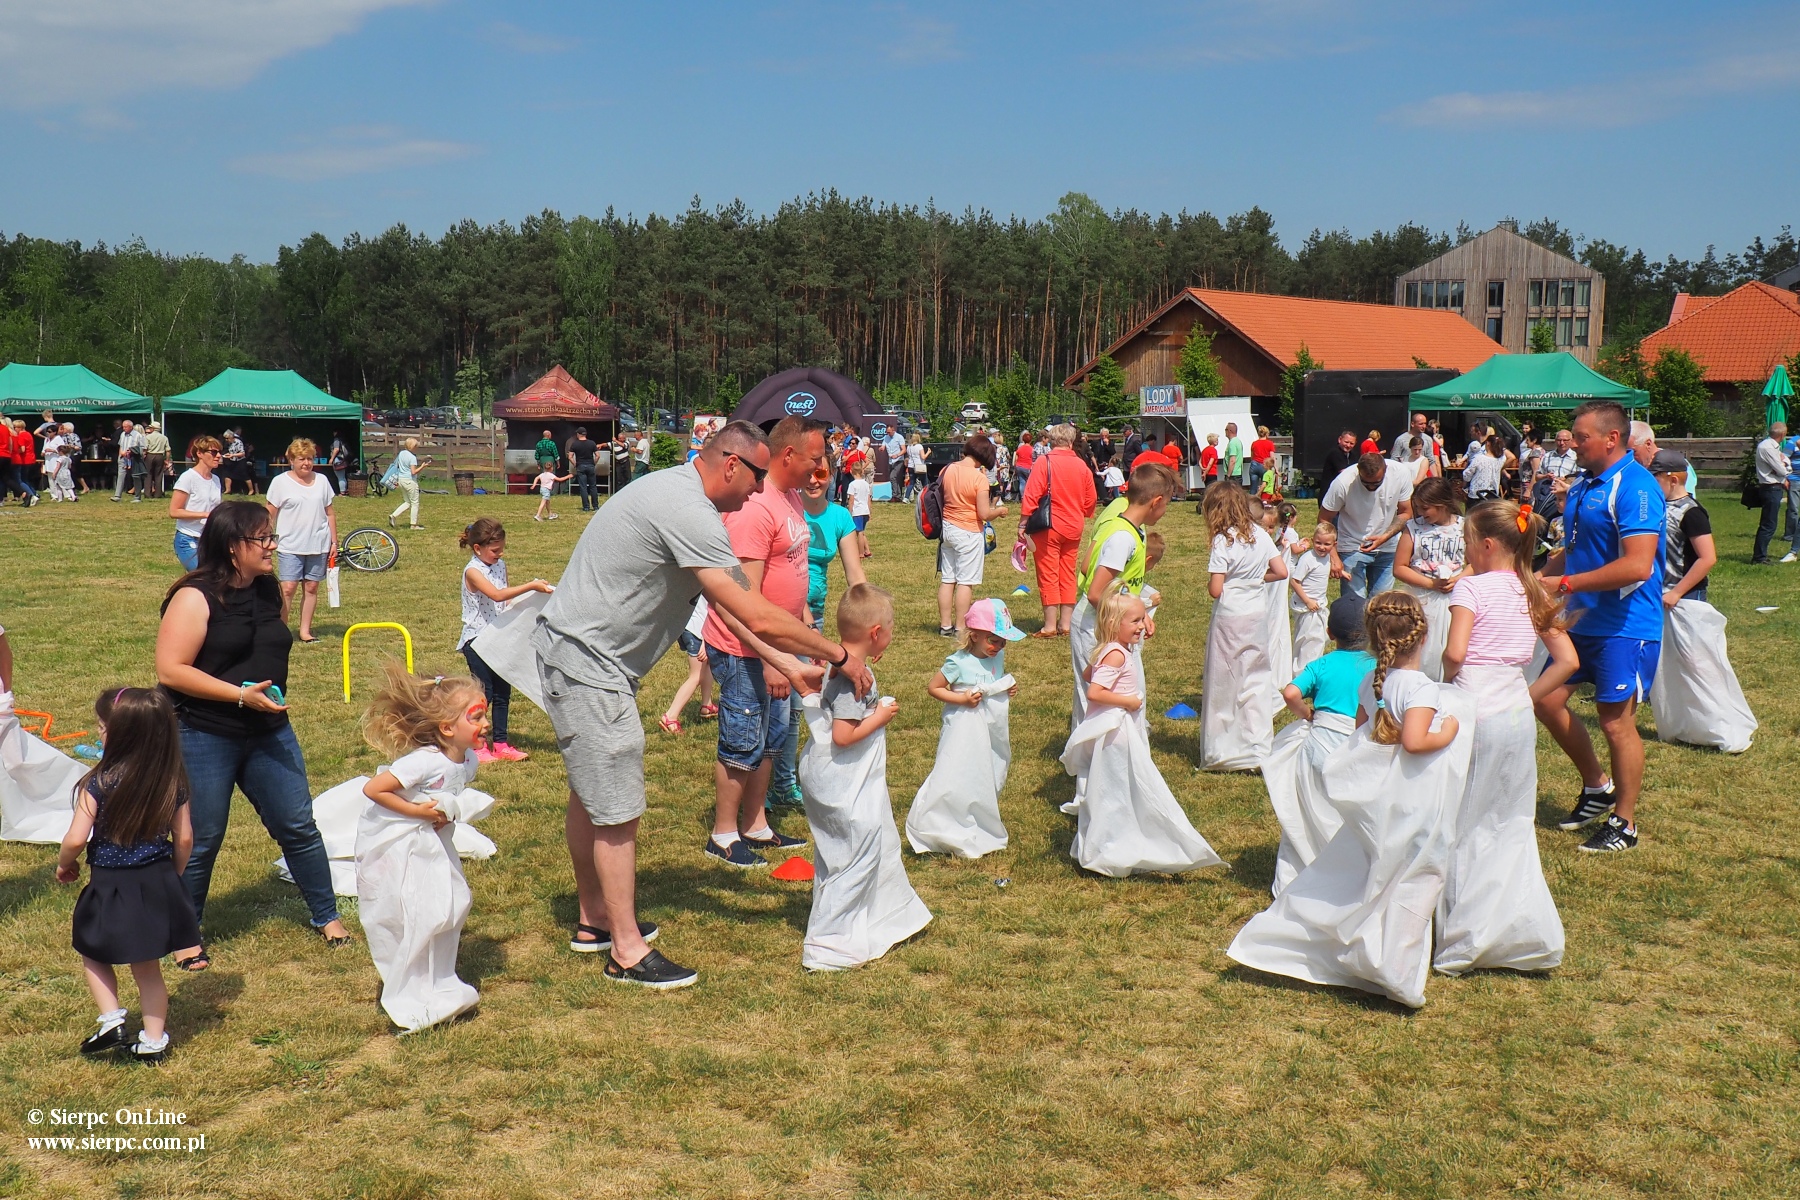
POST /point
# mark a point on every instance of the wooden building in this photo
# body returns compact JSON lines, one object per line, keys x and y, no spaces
{"x":1503,"y":283}
{"x":1256,"y":337}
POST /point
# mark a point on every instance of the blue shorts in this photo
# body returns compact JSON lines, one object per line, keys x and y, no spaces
{"x":297,"y":568}
{"x":1620,"y":668}
{"x":690,"y":645}
{"x":862,"y":522}
{"x":750,"y":723}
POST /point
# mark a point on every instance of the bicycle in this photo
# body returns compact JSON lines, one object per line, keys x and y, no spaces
{"x":369,"y":549}
{"x":372,"y":468}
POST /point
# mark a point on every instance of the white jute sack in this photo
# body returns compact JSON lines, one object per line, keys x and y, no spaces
{"x":1294,"y":773}
{"x":862,"y":902}
{"x":336,"y":812}
{"x":1310,"y":636}
{"x":505,"y":644}
{"x":333,"y":596}
{"x":413,"y":900}
{"x":1128,"y":821}
{"x":1437,"y":628}
{"x":1081,"y":648}
{"x":1360,"y":914}
{"x":1281,"y":638}
{"x":1695,"y":695}
{"x":1237,"y":698}
{"x":957,"y":809}
{"x":37,"y":785}
{"x":1496,"y":910}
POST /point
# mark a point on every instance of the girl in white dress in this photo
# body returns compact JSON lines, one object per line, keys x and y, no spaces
{"x":1309,"y":576}
{"x":1238,"y":693}
{"x":1277,"y":521}
{"x":409,"y":881}
{"x":1429,"y":560}
{"x":957,"y":808}
{"x":1496,"y":910}
{"x":1360,"y":914}
{"x":1128,"y":820}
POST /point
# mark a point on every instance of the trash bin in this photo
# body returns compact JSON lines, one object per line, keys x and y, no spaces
{"x":465,"y":482}
{"x":357,"y":484}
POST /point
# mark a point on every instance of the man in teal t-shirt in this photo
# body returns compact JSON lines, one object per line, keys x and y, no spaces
{"x":1234,"y":455}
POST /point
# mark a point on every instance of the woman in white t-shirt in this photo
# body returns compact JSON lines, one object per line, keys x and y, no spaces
{"x":196,"y":493}
{"x":299,"y":502}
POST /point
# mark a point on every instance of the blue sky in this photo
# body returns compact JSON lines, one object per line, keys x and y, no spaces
{"x":226,"y":126}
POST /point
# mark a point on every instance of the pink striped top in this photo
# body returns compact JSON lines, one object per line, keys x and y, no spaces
{"x":1503,"y":633}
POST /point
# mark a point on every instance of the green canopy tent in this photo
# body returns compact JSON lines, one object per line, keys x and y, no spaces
{"x":67,"y":391}
{"x":271,"y":408}
{"x":1511,"y":382}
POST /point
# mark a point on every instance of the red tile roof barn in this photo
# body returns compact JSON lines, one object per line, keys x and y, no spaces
{"x":1737,"y":337}
{"x":1342,"y":334}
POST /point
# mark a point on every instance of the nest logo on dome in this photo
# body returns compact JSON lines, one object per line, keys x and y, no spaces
{"x":801,"y":404}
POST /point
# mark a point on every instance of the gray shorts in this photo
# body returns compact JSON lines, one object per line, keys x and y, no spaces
{"x":300,"y":568}
{"x":602,"y":742}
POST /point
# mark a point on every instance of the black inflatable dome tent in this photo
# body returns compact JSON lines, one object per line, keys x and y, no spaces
{"x":806,"y":392}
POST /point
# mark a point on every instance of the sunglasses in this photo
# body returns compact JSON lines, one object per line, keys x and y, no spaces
{"x":761,"y":473}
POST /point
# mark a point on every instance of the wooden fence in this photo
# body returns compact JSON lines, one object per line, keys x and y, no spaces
{"x":480,"y":451}
{"x":1715,"y":460}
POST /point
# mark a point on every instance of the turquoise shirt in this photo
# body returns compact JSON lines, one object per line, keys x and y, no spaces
{"x":1331,"y":682}
{"x":964,"y":670}
{"x":827,"y":529}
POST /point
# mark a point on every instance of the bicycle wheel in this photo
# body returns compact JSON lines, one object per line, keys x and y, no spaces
{"x":369,"y":549}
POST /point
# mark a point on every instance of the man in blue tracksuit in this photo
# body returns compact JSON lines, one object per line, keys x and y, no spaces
{"x":1607,"y":572}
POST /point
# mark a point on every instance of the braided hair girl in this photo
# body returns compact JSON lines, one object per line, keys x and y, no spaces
{"x":1396,"y":627}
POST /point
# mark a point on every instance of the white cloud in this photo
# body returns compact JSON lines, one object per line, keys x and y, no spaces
{"x":523,"y":41}
{"x":1632,"y":100}
{"x":920,"y":41}
{"x":362,"y":150}
{"x":89,"y":53}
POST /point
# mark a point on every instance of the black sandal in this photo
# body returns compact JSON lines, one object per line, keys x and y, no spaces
{"x":195,"y":962}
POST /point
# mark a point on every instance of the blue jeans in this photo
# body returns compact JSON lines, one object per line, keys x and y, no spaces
{"x":272,"y":773}
{"x":1792,"y":532}
{"x":497,"y":690}
{"x":1369,"y":573}
{"x":784,"y":782}
{"x":187,"y":550}
{"x":751,"y":722}
{"x":587,"y":486}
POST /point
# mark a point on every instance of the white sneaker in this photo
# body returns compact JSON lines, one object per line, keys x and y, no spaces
{"x":1790,"y":556}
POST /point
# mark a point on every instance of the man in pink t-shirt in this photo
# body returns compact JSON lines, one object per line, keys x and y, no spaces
{"x":769,"y":536}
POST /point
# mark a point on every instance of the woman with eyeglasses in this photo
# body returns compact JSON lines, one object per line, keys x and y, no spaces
{"x":196,"y":494}
{"x":222,"y":658}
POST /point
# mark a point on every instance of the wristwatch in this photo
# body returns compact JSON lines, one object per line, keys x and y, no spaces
{"x":1563,"y":587}
{"x":840,"y":662}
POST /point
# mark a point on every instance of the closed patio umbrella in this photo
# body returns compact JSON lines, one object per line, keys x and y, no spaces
{"x":1780,"y":391}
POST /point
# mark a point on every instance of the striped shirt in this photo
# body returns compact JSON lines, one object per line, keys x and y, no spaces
{"x":1503,"y":634}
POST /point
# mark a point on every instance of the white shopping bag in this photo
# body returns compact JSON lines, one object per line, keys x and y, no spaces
{"x":331,"y":586}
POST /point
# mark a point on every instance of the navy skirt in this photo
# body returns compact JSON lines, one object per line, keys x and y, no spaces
{"x":134,"y":914}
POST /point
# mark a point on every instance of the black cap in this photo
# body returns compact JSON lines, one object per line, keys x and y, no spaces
{"x":1668,"y":462}
{"x":1344,"y":621}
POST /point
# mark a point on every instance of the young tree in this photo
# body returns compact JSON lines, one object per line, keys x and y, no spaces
{"x":1680,"y":405}
{"x":1105,"y":392}
{"x":1622,"y":362}
{"x":1291,"y":379}
{"x":472,"y":393}
{"x":584,"y":279}
{"x":1543,"y":338}
{"x":1198,"y":372}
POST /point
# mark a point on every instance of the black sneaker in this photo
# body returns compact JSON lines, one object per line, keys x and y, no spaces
{"x":106,"y":1041}
{"x":603,"y":938}
{"x":775,"y":841}
{"x":652,"y":971}
{"x":1594,"y":804}
{"x":738,"y":854}
{"x":1612,"y":836}
{"x":947,"y":631}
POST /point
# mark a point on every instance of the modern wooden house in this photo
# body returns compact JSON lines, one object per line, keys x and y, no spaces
{"x":1256,"y":337}
{"x":1503,"y":283}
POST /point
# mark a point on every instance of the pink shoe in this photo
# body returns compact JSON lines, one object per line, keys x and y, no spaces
{"x":484,"y":755}
{"x":504,"y":751}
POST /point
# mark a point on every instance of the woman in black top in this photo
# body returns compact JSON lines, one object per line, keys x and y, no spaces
{"x":222,"y":657}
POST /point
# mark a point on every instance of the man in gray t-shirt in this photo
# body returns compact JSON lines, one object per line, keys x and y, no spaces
{"x":627,"y":593}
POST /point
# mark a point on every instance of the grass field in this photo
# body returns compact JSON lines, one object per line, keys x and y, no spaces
{"x":1065,"y":1035}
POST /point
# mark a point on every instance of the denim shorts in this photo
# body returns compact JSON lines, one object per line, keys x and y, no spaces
{"x":750,"y":723}
{"x":690,"y":645}
{"x":1620,"y":668}
{"x":293,"y":568}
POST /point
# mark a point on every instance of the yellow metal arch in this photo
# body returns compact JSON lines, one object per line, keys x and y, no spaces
{"x":373,"y":625}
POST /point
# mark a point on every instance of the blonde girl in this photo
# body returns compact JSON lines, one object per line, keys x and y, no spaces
{"x":1239,"y":688}
{"x":409,"y":881}
{"x":484,"y":591}
{"x":1428,"y":561}
{"x":131,"y":815}
{"x":957,"y":808}
{"x":1497,"y":910}
{"x":1396,"y":630}
{"x":1127,"y":819}
{"x":860,"y":495}
{"x":404,"y":474}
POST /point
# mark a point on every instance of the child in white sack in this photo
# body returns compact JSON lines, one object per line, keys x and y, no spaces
{"x":957,"y":809}
{"x":1309,"y":575}
{"x":1428,"y":561}
{"x":862,"y":902}
{"x":1128,"y":819}
{"x":1238,"y":690}
{"x":1360,"y":914}
{"x":409,"y":881}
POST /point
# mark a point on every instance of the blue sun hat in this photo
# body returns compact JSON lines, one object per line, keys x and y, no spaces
{"x":991,"y":616}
